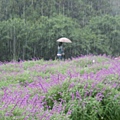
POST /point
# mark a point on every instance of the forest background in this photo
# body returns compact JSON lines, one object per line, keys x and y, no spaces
{"x":30,"y":28}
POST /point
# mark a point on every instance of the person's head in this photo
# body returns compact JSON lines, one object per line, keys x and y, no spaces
{"x":60,"y":43}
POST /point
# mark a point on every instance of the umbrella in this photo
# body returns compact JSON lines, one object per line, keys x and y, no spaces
{"x":66,"y":40}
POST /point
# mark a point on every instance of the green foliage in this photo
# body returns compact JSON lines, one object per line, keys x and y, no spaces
{"x":30,"y":28}
{"x":29,"y":64}
{"x":77,"y":95}
{"x":55,"y":94}
{"x":60,"y":116}
{"x":107,"y":30}
{"x":16,"y":114}
{"x":88,"y":107}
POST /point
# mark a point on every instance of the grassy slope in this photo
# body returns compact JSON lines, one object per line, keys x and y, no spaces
{"x":81,"y":83}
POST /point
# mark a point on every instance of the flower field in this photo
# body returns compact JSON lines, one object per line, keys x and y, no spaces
{"x":85,"y":88}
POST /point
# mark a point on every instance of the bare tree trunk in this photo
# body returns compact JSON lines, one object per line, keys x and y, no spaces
{"x":68,"y":8}
{"x":24,"y":48}
{"x":72,"y":7}
{"x":24,"y":12}
{"x":23,"y":55}
{"x":63,"y":9}
{"x":42,"y":8}
{"x":11,"y":50}
{"x":59,"y":7}
{"x":14,"y":44}
{"x":34,"y":51}
{"x":32,"y":2}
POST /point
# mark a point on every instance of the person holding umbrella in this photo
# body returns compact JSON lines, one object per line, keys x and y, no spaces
{"x":60,"y":53}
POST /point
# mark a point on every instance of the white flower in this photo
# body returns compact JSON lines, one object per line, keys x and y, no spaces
{"x":93,"y":61}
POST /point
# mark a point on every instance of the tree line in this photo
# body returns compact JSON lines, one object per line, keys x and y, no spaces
{"x":30,"y":28}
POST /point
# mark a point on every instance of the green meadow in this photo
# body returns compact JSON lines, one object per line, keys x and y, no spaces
{"x":84,"y":88}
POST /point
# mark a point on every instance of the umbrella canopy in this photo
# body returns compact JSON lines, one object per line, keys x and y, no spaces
{"x":66,"y":40}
